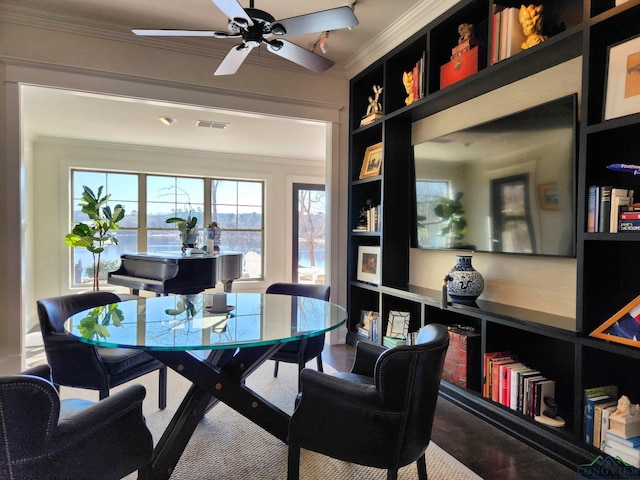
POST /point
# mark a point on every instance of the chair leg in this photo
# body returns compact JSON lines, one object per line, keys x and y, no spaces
{"x":162,"y":388}
{"x":293,"y":465}
{"x":319,"y":360}
{"x":275,"y":368}
{"x":422,"y":468}
{"x":392,"y":474}
{"x":104,"y":393}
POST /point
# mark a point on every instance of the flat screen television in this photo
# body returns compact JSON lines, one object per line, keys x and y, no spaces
{"x":507,"y":185}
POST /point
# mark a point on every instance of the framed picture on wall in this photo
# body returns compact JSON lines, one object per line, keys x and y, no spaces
{"x":368,"y":268}
{"x":548,"y":196}
{"x":623,"y":79}
{"x":623,"y":327}
{"x":372,"y":162}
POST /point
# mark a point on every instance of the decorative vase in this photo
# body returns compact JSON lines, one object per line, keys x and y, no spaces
{"x":464,"y":283}
{"x":189,"y":239}
{"x":215,"y":234}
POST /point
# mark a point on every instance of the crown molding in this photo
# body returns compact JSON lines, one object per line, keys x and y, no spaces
{"x":413,"y":21}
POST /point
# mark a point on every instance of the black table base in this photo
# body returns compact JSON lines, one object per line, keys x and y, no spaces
{"x":219,"y":377}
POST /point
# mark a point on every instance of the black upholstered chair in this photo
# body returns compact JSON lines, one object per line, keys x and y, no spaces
{"x":380,"y":414}
{"x":300,"y":351}
{"x":43,"y":437}
{"x":77,"y":364}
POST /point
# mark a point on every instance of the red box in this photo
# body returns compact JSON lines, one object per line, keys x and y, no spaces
{"x":462,"y":362}
{"x":461,"y":66}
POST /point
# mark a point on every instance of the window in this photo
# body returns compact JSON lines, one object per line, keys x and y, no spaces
{"x":511,"y":214}
{"x":237,"y":206}
{"x":308,"y":233}
{"x":428,"y":194}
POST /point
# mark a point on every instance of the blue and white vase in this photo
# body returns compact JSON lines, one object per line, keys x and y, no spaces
{"x":464,"y":283}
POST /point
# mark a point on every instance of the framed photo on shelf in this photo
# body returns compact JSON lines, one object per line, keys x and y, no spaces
{"x":623,"y":79}
{"x":548,"y":196}
{"x":368,"y":268}
{"x":372,"y":162}
{"x":623,"y":327}
{"x":398,"y":324}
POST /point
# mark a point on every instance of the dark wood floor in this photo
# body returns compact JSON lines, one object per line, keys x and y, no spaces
{"x":488,"y":451}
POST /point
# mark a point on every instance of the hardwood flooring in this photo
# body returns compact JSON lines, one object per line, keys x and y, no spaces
{"x":488,"y":451}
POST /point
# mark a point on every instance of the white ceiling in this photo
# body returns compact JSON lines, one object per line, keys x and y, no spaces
{"x":58,"y":113}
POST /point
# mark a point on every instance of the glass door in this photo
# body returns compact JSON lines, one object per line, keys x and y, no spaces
{"x":308,"y":233}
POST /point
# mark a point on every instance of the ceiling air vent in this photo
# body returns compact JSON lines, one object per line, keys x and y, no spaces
{"x":211,"y":124}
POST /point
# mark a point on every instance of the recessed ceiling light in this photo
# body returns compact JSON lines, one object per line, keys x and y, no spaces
{"x":166,"y":120}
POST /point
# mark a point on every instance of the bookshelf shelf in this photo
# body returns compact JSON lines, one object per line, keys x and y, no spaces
{"x":606,"y":277}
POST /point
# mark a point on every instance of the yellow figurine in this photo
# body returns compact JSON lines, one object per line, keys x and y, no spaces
{"x":531,"y":20}
{"x":407,"y":79}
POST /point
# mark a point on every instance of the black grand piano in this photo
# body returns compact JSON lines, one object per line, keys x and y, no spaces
{"x":165,"y":273}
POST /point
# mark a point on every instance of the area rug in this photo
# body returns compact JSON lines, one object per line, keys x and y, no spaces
{"x":227,"y":446}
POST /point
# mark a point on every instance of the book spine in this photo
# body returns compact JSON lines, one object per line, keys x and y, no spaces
{"x":605,"y":209}
{"x":592,"y":201}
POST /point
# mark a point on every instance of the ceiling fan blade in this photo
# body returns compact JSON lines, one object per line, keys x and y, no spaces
{"x":233,"y":60}
{"x":333,"y":19}
{"x":233,"y":10}
{"x":299,"y":55}
{"x":182,"y":33}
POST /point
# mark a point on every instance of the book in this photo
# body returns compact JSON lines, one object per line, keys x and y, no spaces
{"x":632,"y":453}
{"x":605,"y":209}
{"x":604,"y":424}
{"x":393,"y":342}
{"x":593,"y":203}
{"x":522,"y":393}
{"x":526,"y":400}
{"x":513,"y":402}
{"x":505,"y":382}
{"x":486,"y":380}
{"x":495,"y":376}
{"x":598,"y":432}
{"x":589,"y":410}
{"x":620,"y":197}
{"x":514,"y":33}
{"x":615,"y":451}
{"x":632,"y":442}
{"x":544,"y":388}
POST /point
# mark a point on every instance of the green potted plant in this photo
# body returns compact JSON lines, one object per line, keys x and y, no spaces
{"x":454,"y":224}
{"x":188,"y":230}
{"x":97,"y":233}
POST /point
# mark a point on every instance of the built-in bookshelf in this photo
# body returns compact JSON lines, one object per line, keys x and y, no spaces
{"x":606,"y":279}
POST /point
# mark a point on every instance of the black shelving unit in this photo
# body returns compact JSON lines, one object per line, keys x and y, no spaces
{"x":606,"y":263}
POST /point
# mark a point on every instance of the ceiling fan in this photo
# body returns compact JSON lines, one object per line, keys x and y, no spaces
{"x":256,"y":27}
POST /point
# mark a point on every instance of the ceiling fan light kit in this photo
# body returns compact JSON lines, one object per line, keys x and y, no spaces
{"x":254,"y":27}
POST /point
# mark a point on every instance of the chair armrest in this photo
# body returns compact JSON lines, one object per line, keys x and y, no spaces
{"x":105,"y":412}
{"x":313,"y":383}
{"x":42,"y":371}
{"x":366,"y":357}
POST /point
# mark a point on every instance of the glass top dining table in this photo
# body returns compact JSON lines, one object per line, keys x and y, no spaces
{"x":216,"y":349}
{"x":189,"y":322}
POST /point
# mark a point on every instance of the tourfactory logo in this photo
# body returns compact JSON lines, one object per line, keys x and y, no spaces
{"x":608,"y":468}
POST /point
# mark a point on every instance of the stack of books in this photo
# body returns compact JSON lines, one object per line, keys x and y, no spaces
{"x":628,"y":449}
{"x":391,"y":342}
{"x":513,"y":384}
{"x":507,"y":33}
{"x":599,"y":402}
{"x":604,"y":206}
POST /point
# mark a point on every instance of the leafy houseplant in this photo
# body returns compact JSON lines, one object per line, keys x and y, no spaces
{"x":454,"y":224}
{"x":188,"y":230}
{"x":97,"y":233}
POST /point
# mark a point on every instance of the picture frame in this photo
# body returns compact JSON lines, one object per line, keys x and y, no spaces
{"x":623,"y":326}
{"x":548,"y":196}
{"x":398,"y":324}
{"x":368,"y":268}
{"x":623,"y":79}
{"x":372,"y":162}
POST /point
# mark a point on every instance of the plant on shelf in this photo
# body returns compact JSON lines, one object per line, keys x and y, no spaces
{"x":95,"y":234}
{"x":188,"y":230}
{"x":454,"y":224}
